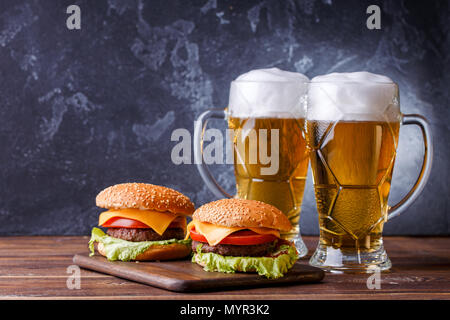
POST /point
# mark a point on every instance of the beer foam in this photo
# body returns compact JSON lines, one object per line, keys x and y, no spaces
{"x":359,"y":96}
{"x":264,"y":93}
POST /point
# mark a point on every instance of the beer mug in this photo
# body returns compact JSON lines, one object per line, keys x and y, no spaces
{"x":265,"y":115}
{"x":352,"y":123}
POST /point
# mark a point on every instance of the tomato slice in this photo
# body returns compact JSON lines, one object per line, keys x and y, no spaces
{"x":118,"y":222}
{"x":238,"y":238}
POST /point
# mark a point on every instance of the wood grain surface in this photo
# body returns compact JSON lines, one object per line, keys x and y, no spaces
{"x":185,"y":276}
{"x":36,"y":268}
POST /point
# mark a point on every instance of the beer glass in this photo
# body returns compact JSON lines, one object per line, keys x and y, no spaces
{"x":265,"y":121}
{"x":353,"y":132}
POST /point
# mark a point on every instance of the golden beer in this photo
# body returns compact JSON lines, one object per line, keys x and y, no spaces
{"x":352,"y":124}
{"x":352,"y":164}
{"x":283,"y":189}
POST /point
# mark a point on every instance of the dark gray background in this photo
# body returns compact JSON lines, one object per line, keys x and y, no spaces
{"x":82,"y":110}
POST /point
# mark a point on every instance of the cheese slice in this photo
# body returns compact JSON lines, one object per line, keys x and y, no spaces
{"x":214,"y":233}
{"x":158,"y":221}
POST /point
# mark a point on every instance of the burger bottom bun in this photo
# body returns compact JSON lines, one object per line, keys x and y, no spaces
{"x":158,"y":252}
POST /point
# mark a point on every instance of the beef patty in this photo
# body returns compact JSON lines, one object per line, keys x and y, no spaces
{"x":136,"y":235}
{"x":257,"y":250}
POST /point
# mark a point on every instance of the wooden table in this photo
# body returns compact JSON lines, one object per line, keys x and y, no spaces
{"x":36,"y":268}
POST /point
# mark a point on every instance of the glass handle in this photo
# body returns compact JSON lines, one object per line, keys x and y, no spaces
{"x":426,"y":166}
{"x":199,"y":131}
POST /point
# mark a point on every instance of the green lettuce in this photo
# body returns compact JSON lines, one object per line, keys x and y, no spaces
{"x":118,"y":249}
{"x":271,"y":267}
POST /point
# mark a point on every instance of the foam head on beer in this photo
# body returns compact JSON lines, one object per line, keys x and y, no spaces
{"x":358,"y":96}
{"x":265,"y":93}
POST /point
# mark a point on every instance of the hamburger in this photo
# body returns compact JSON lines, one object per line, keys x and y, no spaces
{"x":236,"y":235}
{"x":143,"y":221}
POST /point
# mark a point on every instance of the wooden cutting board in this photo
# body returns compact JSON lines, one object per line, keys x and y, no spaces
{"x":185,"y":276}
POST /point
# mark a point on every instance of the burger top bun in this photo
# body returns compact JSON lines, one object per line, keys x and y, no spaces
{"x":242,"y":213}
{"x":144,"y":196}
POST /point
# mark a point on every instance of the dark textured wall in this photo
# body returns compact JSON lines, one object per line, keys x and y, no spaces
{"x":82,"y":110}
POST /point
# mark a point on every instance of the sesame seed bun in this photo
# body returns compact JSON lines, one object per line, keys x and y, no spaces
{"x":158,"y":252}
{"x":144,"y":196}
{"x":242,"y":213}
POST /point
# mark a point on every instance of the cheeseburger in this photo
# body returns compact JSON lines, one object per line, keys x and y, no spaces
{"x":143,"y":221}
{"x":235,"y":235}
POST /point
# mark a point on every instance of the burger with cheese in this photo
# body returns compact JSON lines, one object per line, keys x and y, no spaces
{"x":143,"y":221}
{"x":235,"y":235}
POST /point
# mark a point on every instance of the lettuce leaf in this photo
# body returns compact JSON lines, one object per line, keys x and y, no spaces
{"x":118,"y":249}
{"x":271,"y":267}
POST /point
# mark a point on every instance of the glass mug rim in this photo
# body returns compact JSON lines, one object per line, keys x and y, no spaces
{"x":343,"y":82}
{"x":355,"y":83}
{"x":271,"y":81}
